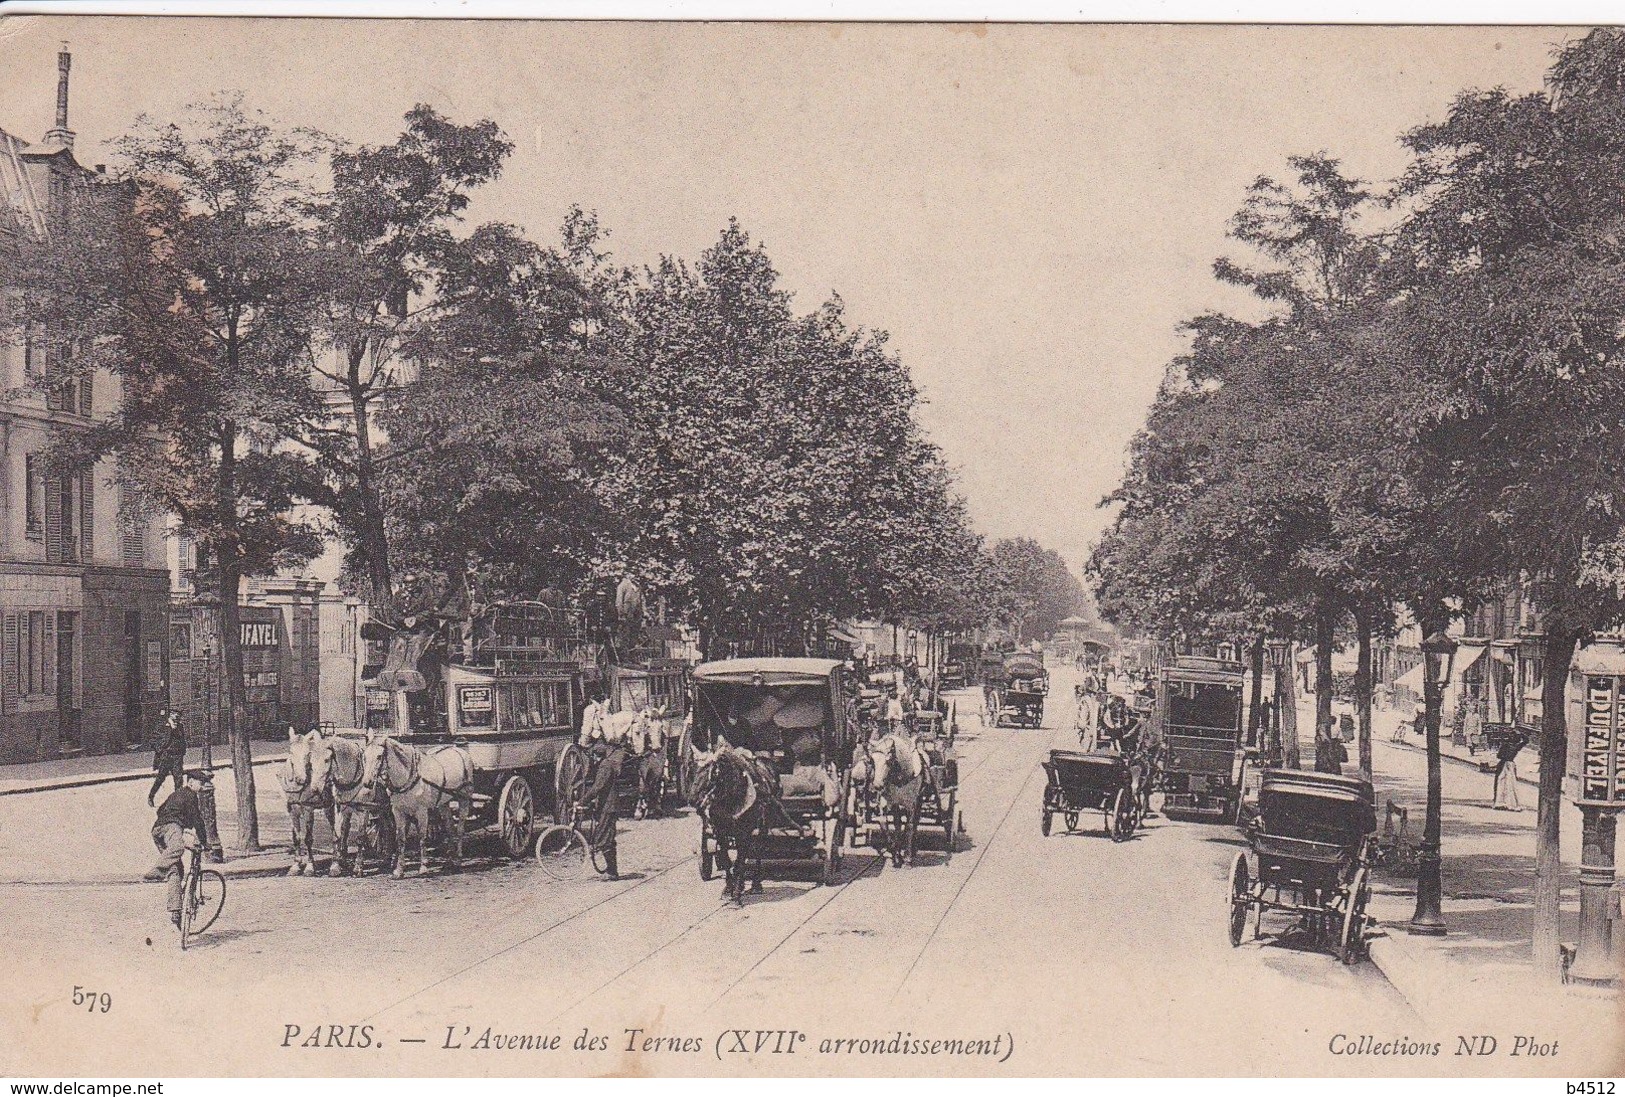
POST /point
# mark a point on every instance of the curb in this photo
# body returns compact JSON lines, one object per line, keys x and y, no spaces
{"x":1447,"y":756}
{"x":247,"y":872}
{"x":1395,"y":962}
{"x":114,"y":778}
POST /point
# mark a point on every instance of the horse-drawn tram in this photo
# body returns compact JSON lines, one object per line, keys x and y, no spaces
{"x":510,"y":697}
{"x":770,"y":751}
{"x":1197,"y":726}
{"x":1311,"y":848}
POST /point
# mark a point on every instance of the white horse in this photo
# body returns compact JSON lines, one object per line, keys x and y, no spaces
{"x":421,"y":784}
{"x":306,"y":793}
{"x":899,"y":773}
{"x":340,"y":766}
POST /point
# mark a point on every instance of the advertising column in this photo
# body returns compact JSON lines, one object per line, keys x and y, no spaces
{"x":1602,"y":794}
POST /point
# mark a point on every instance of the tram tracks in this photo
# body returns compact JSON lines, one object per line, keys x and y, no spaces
{"x":629,"y":898}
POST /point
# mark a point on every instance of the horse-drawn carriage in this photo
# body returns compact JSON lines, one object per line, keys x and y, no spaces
{"x":768,"y":764}
{"x":1022,"y":700}
{"x":1079,"y":781}
{"x":903,"y":781}
{"x":1310,"y":852}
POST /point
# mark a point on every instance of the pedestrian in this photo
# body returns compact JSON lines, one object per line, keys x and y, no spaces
{"x":168,"y":753}
{"x":178,"y":815}
{"x":894,"y":712}
{"x":1506,"y":771}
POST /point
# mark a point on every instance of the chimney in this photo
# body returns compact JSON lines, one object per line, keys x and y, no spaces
{"x":61,"y":134}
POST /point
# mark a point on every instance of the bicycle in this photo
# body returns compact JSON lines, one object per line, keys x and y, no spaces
{"x":203,"y":895}
{"x":564,"y":849}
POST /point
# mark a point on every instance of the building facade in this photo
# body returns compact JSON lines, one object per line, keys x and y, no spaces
{"x":84,"y":595}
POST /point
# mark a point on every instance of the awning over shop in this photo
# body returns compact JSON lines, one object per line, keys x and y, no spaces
{"x":1412,"y":679}
{"x":839,"y":631}
{"x":1535,"y":692}
{"x":1606,"y":658}
{"x":1467,"y":656}
{"x":1345,"y":662}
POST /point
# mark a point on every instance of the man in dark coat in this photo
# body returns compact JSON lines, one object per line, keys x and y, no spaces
{"x":601,"y":801}
{"x":168,"y":753}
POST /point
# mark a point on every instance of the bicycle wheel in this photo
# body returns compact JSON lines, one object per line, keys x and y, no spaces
{"x":562,"y":852}
{"x":209,"y":899}
{"x":188,"y":907}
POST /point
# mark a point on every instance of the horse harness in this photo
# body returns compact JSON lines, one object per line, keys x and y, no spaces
{"x":415,"y":772}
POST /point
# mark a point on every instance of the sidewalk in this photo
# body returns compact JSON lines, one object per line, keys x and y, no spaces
{"x":104,"y":769}
{"x":1479,"y":976}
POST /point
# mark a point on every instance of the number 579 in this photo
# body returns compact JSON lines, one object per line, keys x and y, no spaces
{"x":93,"y":1001}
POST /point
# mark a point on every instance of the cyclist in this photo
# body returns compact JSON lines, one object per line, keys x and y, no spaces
{"x":178,"y":814}
{"x":600,"y":803}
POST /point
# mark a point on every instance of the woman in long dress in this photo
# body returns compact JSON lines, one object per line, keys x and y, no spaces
{"x":1506,"y":774}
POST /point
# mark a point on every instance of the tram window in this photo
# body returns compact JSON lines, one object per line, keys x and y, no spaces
{"x":533,"y":705}
{"x":555,"y":705}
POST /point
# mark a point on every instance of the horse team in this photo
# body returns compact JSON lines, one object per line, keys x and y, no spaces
{"x":391,"y":789}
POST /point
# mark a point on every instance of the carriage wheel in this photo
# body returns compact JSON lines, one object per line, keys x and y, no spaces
{"x":1240,"y":897}
{"x":707,"y":862}
{"x":516,"y":816}
{"x":1258,"y":921}
{"x":1352,"y":942}
{"x":569,"y":782}
{"x":948,"y":823}
{"x":1071,"y":821}
{"x":1047,"y":814}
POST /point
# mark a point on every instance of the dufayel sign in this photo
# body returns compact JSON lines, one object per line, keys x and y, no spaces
{"x":1602,"y":748}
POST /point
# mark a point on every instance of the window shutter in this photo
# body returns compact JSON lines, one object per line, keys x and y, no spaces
{"x":87,"y":515}
{"x":53,"y":519}
{"x":50,"y":656}
{"x":8,"y":671}
{"x":85,"y":403}
{"x":132,"y":534}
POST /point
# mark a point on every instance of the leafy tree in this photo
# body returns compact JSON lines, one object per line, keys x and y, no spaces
{"x":1035,"y":589}
{"x":1512,"y":259}
{"x":196,"y":282}
{"x":386,"y":232}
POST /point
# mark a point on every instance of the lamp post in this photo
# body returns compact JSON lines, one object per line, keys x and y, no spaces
{"x":1437,"y":652}
{"x":1281,"y":664}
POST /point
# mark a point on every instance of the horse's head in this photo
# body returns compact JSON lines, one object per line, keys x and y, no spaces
{"x":300,"y":773}
{"x":374,"y":760}
{"x":723,"y":790}
{"x":882,"y":760}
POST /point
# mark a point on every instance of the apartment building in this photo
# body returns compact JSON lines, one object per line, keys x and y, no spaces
{"x":84,"y":594}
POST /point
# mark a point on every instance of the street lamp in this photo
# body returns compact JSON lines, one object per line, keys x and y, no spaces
{"x":1438,"y":651}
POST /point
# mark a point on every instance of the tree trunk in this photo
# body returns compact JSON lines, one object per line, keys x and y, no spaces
{"x":1286,"y":709}
{"x":1256,"y":701}
{"x":1554,"y":742}
{"x":233,"y":713}
{"x":1325,"y":732}
{"x":1362,"y":691}
{"x":374,"y":535}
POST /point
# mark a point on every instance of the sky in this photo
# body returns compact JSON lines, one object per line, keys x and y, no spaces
{"x":1028,"y":211}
